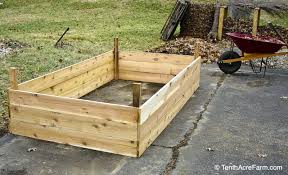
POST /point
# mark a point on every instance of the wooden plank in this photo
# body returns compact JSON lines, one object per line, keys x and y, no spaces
{"x":13,"y":78}
{"x":110,"y":112}
{"x":79,"y":85}
{"x":223,"y":10}
{"x":70,"y":137}
{"x":161,"y":123}
{"x":151,"y":67}
{"x":188,"y":84}
{"x":43,"y":82}
{"x":71,"y":121}
{"x":91,"y":85}
{"x":136,"y":94}
{"x":159,"y":120}
{"x":156,"y":57}
{"x":116,"y":58}
{"x":160,"y":97}
{"x":256,"y":20}
{"x":144,"y":77}
{"x":174,"y":19}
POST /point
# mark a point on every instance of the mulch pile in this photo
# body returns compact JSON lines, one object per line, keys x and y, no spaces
{"x":209,"y":52}
{"x":196,"y":25}
{"x":197,"y":20}
{"x":245,"y":26}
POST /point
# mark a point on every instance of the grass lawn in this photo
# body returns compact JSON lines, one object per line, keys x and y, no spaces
{"x":93,"y":25}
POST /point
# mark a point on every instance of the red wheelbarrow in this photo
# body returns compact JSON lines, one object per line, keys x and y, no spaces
{"x":252,"y":47}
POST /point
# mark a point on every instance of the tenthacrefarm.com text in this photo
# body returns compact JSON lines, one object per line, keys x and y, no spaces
{"x":247,"y":168}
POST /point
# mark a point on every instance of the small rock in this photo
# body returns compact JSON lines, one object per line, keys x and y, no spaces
{"x":210,"y":149}
{"x":262,"y":155}
{"x":32,"y":149}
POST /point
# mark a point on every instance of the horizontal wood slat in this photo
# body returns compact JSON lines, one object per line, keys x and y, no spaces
{"x":113,"y":112}
{"x":166,"y":111}
{"x":150,"y":67}
{"x":56,"y":77}
{"x":161,"y":96}
{"x":84,"y":83}
{"x":72,"y":121}
{"x":70,"y":137}
{"x":144,"y":77}
{"x":156,"y":57}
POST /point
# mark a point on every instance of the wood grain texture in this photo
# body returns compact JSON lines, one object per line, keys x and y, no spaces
{"x":107,"y":111}
{"x":223,"y":9}
{"x":46,"y":81}
{"x":136,"y":93}
{"x":70,"y":137}
{"x":13,"y":78}
{"x":116,"y":58}
{"x":144,"y":77}
{"x":166,"y":110}
{"x":77,"y":122}
{"x":150,"y":67}
{"x":88,"y":124}
{"x":256,"y":21}
{"x":156,"y":57}
{"x":84,"y":83}
{"x":160,"y":97}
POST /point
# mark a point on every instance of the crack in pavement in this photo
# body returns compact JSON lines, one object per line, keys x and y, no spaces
{"x":161,"y":146}
{"x":187,"y":136}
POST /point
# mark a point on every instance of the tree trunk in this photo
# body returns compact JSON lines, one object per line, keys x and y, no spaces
{"x":214,"y":30}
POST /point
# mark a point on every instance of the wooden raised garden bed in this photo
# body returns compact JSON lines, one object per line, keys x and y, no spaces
{"x":49,"y":108}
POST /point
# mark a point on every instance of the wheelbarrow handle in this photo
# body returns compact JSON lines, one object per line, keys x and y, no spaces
{"x":277,"y":32}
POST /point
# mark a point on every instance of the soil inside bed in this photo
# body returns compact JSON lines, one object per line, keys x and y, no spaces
{"x":120,"y":92}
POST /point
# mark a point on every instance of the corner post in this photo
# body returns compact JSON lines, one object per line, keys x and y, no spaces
{"x":13,"y":78}
{"x":256,"y":19}
{"x":116,"y":58}
{"x":137,"y":94}
{"x":197,"y":50}
{"x":222,"y":14}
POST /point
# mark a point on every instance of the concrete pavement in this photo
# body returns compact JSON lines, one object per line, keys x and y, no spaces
{"x":242,"y":119}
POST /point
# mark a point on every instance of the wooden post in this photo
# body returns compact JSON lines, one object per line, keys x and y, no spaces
{"x":197,"y":50}
{"x":256,"y":20}
{"x":13,"y":78}
{"x":137,"y":94}
{"x":223,"y":13}
{"x":116,"y":58}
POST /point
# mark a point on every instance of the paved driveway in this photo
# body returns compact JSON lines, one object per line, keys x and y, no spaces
{"x":231,"y":122}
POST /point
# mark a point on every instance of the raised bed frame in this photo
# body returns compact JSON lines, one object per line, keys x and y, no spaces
{"x":49,"y":108}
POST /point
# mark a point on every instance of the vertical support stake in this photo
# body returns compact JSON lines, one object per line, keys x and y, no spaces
{"x":116,"y":58}
{"x":223,"y":13}
{"x":197,"y":50}
{"x":256,"y":19}
{"x":137,"y":94}
{"x":13,"y":78}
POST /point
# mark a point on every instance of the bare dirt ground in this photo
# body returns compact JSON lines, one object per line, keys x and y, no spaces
{"x":120,"y":92}
{"x":9,"y":46}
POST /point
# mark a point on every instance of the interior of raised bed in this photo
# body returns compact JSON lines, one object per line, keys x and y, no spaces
{"x":76,"y":81}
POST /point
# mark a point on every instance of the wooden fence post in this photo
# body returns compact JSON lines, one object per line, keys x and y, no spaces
{"x":13,"y":78}
{"x":256,"y":19}
{"x":222,"y":15}
{"x":116,"y":58}
{"x":197,"y":50}
{"x":137,"y":94}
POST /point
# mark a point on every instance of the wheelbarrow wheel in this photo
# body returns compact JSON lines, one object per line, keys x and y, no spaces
{"x":229,"y":68}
